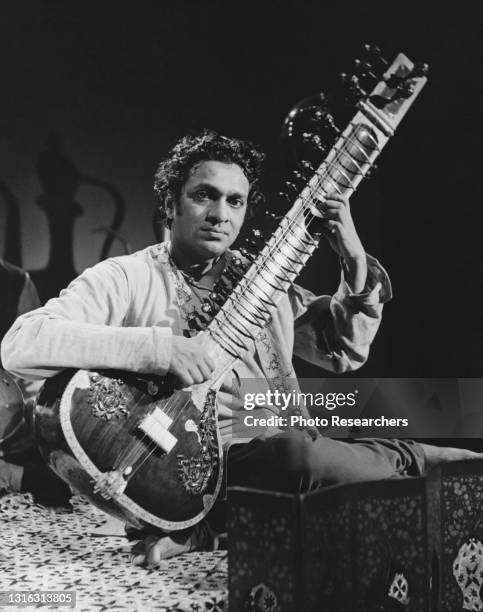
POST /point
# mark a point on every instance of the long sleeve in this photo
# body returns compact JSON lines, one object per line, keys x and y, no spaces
{"x":336,"y":332}
{"x":28,"y":300}
{"x":87,"y":326}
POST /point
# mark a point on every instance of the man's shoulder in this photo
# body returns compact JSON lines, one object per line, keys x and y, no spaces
{"x":154,"y":253}
{"x":148,"y":259}
{"x":136,"y":270}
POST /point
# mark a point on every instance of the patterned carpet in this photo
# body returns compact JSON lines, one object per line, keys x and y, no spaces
{"x":55,"y":549}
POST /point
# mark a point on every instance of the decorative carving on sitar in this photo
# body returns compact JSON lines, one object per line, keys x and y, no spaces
{"x":106,"y":397}
{"x":195,"y":472}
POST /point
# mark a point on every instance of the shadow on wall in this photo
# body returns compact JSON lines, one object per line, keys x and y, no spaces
{"x":60,"y":181}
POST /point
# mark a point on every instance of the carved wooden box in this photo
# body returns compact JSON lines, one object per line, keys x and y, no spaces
{"x":456,"y":511}
{"x":357,"y":547}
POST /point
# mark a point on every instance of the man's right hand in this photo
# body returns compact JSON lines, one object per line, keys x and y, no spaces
{"x":189,"y":361}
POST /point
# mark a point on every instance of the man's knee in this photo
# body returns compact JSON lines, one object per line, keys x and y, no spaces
{"x":294,"y":454}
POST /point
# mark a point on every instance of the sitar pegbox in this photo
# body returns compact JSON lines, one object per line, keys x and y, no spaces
{"x":382,"y":91}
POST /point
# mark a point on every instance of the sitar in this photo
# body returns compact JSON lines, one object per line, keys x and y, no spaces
{"x":149,"y":453}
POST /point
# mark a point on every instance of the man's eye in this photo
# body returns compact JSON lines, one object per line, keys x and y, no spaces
{"x":201,"y":195}
{"x":237,"y":203}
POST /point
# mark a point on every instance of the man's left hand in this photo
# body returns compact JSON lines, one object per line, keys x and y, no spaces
{"x":341,"y":231}
{"x":343,"y":238}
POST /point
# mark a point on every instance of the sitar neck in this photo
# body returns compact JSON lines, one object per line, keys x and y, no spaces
{"x":253,"y":301}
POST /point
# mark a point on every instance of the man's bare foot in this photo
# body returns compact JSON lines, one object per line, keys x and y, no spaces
{"x":444,"y":454}
{"x":153,"y":549}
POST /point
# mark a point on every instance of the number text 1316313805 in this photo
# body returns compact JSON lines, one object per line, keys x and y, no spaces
{"x":38,"y":598}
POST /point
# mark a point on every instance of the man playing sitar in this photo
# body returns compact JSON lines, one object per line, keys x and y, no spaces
{"x":141,"y":313}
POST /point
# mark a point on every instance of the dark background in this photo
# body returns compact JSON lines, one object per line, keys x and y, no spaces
{"x":118,"y":84}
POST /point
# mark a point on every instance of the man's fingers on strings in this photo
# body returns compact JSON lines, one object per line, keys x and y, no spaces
{"x":334,"y":214}
{"x":337,"y":197}
{"x":336,"y":203}
{"x":333,"y":206}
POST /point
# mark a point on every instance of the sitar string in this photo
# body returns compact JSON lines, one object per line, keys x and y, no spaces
{"x":261,"y":264}
{"x":301,"y":221}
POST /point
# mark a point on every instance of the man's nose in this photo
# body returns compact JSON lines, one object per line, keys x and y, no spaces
{"x":218,"y":212}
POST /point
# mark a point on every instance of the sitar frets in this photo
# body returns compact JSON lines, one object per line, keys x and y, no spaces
{"x":250,"y":305}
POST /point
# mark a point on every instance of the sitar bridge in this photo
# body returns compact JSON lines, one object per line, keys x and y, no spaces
{"x":156,"y":426}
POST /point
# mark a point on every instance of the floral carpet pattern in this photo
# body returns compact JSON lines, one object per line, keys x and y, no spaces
{"x":47,"y":549}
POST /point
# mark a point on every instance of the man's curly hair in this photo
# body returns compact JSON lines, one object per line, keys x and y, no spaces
{"x":207,"y":145}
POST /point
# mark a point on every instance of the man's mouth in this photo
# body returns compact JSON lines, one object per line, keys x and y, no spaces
{"x":213,"y":232}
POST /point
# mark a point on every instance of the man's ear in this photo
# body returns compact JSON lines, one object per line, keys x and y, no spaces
{"x":169,"y":207}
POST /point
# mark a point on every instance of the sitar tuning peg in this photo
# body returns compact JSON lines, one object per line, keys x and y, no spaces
{"x":253,"y":242}
{"x":370,"y":171}
{"x":299,"y":178}
{"x":284,"y":196}
{"x":330,"y":123}
{"x":314,"y":141}
{"x":206,"y":306}
{"x":290,"y":192}
{"x":304,"y":175}
{"x":248,"y":254}
{"x":307,"y":166}
{"x":325,"y":126}
{"x":291,"y":187}
{"x":373,"y":52}
{"x":353,"y":89}
{"x":316,"y":115}
{"x":364,"y":69}
{"x":270,"y":214}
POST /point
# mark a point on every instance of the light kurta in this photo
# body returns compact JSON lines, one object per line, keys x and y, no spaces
{"x":123,"y":312}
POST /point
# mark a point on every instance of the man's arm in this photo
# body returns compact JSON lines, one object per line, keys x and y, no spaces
{"x":83,"y":328}
{"x":343,"y":238}
{"x":28,"y":300}
{"x":336,"y":333}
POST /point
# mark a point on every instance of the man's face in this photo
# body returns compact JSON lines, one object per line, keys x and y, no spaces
{"x":210,"y":211}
